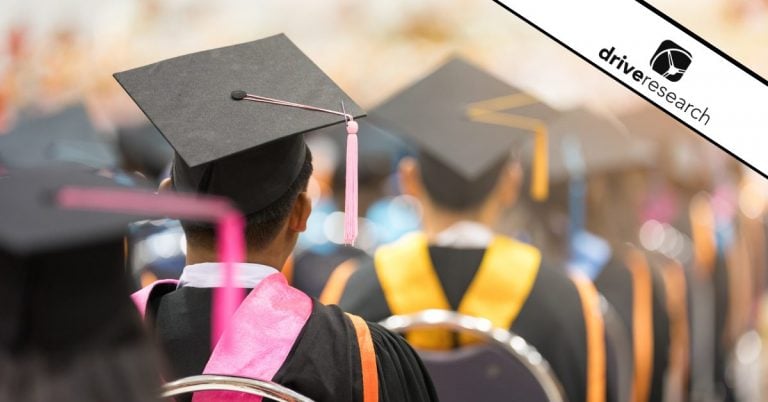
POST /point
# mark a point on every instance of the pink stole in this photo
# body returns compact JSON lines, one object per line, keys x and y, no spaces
{"x":262,"y":334}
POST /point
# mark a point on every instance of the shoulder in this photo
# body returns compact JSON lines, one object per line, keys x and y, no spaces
{"x":365,"y":274}
{"x":363,"y":294}
{"x":329,"y":342}
{"x":312,"y":270}
{"x":553,"y":279}
{"x":554,"y":295}
{"x":402,"y":375}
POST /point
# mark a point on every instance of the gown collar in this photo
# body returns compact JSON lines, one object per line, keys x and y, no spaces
{"x":208,"y":275}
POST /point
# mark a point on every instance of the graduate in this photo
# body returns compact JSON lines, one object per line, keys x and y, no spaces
{"x":599,"y":172}
{"x":465,"y":179}
{"x":229,"y":114}
{"x":68,"y":329}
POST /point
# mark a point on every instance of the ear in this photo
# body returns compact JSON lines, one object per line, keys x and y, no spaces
{"x":297,"y":220}
{"x":165,"y":185}
{"x":508,"y":186}
{"x":410,"y":177}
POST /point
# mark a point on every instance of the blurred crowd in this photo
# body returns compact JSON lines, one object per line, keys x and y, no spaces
{"x":695,"y":211}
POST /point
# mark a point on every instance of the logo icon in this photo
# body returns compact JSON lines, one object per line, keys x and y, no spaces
{"x":671,"y":60}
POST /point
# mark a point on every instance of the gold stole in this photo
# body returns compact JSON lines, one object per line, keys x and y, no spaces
{"x":498,"y":291}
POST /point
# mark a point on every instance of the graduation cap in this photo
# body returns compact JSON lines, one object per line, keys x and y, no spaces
{"x":235,"y":118}
{"x":66,"y":136}
{"x":683,"y":157}
{"x":583,"y":143}
{"x":63,"y":287}
{"x":144,"y":148}
{"x":467,"y":121}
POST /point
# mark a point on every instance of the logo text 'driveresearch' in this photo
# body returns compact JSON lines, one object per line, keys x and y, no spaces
{"x":671,"y":62}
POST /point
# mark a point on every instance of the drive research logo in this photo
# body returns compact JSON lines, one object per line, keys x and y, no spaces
{"x":671,"y":60}
{"x":672,"y":68}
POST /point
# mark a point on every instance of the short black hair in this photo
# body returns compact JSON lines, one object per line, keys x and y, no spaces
{"x":261,"y":226}
{"x":452,"y":191}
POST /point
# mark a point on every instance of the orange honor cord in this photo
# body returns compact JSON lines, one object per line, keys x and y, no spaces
{"x":336,"y":283}
{"x":677,"y":305}
{"x":642,"y":323}
{"x":593,"y":321}
{"x":703,"y":233}
{"x":370,"y":371}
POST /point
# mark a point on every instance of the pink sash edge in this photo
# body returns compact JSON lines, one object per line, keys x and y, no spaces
{"x":262,"y":334}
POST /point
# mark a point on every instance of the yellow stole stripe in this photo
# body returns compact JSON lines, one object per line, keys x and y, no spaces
{"x":498,"y":291}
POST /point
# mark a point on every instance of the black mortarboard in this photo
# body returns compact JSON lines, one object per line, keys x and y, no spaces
{"x":466,"y":120}
{"x":226,"y":144}
{"x":682,"y":151}
{"x":66,"y":136}
{"x":143,"y":148}
{"x":63,"y":287}
{"x":31,"y":223}
{"x":584,"y":143}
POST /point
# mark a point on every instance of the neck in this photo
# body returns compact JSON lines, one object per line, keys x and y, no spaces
{"x":270,"y":256}
{"x":436,"y":219}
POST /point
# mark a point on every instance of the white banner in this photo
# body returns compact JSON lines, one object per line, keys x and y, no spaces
{"x":664,"y":64}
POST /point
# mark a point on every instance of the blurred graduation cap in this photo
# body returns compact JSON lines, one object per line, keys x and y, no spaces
{"x":683,"y":155}
{"x":66,"y":136}
{"x":235,"y":116}
{"x":377,"y":154}
{"x":467,"y":122}
{"x":144,"y":149}
{"x":63,"y":287}
{"x":584,"y":143}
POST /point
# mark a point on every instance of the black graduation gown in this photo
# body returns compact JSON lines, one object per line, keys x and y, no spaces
{"x":324,"y":363}
{"x":551,"y":319}
{"x":615,"y":283}
{"x":720,"y":285}
{"x":311,"y":269}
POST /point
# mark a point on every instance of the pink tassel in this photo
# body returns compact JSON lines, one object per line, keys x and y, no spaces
{"x":350,"y":192}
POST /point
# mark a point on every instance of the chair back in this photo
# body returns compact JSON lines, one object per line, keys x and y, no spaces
{"x":505,"y":368}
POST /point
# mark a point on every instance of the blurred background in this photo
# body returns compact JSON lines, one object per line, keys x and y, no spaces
{"x":60,"y":55}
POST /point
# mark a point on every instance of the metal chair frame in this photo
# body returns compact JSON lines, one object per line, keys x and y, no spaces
{"x":508,"y":341}
{"x":250,"y":386}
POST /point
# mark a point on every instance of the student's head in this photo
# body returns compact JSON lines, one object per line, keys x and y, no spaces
{"x":235,"y":117}
{"x":445,"y":192}
{"x":614,"y":202}
{"x":274,"y":222}
{"x":464,"y":122}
